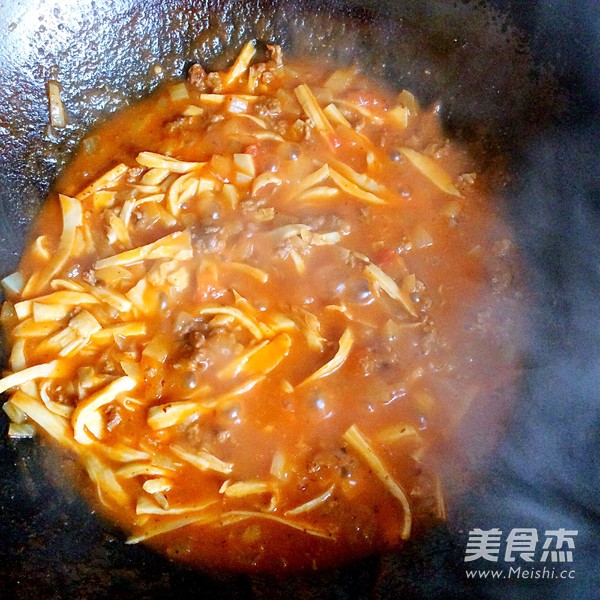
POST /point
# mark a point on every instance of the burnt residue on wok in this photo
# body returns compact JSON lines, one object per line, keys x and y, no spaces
{"x":107,"y":55}
{"x":464,"y":54}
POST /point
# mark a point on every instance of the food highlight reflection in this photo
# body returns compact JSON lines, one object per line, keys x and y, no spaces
{"x":257,"y":307}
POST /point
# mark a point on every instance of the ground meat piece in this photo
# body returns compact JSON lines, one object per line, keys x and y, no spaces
{"x":223,"y":343}
{"x":60,"y":394}
{"x":194,"y":339}
{"x":214,"y":83}
{"x":378,"y":359}
{"x":113,"y":416}
{"x":211,"y":241}
{"x":203,"y":81}
{"x":328,"y":465}
{"x":281,"y":127}
{"x":203,"y":346}
{"x":270,"y":108}
{"x":327,"y":223}
{"x":193,"y":354}
{"x":89,"y":276}
{"x":275,"y":54}
{"x":256,"y":71}
{"x":209,"y":238}
{"x":179,"y":125}
{"x":207,"y":436}
{"x":197,"y":77}
{"x":134,"y":173}
{"x":267,"y":77}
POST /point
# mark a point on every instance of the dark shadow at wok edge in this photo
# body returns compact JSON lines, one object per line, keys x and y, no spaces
{"x":50,"y":544}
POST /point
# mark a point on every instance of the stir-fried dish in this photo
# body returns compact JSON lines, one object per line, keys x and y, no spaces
{"x":252,"y":308}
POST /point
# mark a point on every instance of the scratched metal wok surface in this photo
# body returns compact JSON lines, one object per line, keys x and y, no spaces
{"x":533,"y":98}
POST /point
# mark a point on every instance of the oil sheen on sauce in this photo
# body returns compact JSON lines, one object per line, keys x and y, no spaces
{"x":267,"y":296}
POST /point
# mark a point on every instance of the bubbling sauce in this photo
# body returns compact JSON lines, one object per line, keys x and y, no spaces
{"x":255,"y":306}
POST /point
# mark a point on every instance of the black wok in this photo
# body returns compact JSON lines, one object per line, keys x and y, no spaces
{"x":529,"y":99}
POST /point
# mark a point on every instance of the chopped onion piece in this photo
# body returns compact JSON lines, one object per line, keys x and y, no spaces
{"x":244,"y":163}
{"x":13,"y":283}
{"x":241,"y":489}
{"x":51,"y":369}
{"x":103,"y":199}
{"x":97,"y":400}
{"x":56,"y":426}
{"x":18,"y":360}
{"x":406,"y":99}
{"x":141,"y":469}
{"x":18,"y":431}
{"x":248,"y":322}
{"x":312,"y":109}
{"x":359,"y":442}
{"x":157,"y":348}
{"x":390,"y":287}
{"x":241,"y":64}
{"x":122,"y":453}
{"x":155,"y":176}
{"x":236,"y":105}
{"x":165,"y":527}
{"x":278,"y":465}
{"x":152,"y":160}
{"x":351,"y":188}
{"x":180,"y":191}
{"x":112,"y":298}
{"x":311,"y":329}
{"x":157,"y":486}
{"x":58,"y":114}
{"x":320,"y":192}
{"x":399,"y":116}
{"x":363,"y":110}
{"x":173,"y":413}
{"x":312,"y":504}
{"x":66,"y":284}
{"x":421,"y":237}
{"x":145,"y":506}
{"x":193,"y":111}
{"x":203,"y":460}
{"x":178,"y":92}
{"x":104,"y":478}
{"x":13,"y":412}
{"x":258,"y":274}
{"x":430,"y":169}
{"x":260,"y":122}
{"x":345,"y":345}
{"x":263,"y":180}
{"x":176,"y":245}
{"x":235,"y":516}
{"x":341,"y":79}
{"x":259,"y":359}
{"x":106,"y":180}
{"x":62,"y":410}
{"x":360,"y":179}
{"x":72,"y":219}
{"x":334,"y":115}
{"x":133,"y":329}
{"x":397,"y":433}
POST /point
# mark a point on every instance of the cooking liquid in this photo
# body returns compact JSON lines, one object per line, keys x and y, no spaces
{"x":415,"y":366}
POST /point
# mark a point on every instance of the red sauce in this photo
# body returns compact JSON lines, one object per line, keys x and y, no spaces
{"x":289,"y":325}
